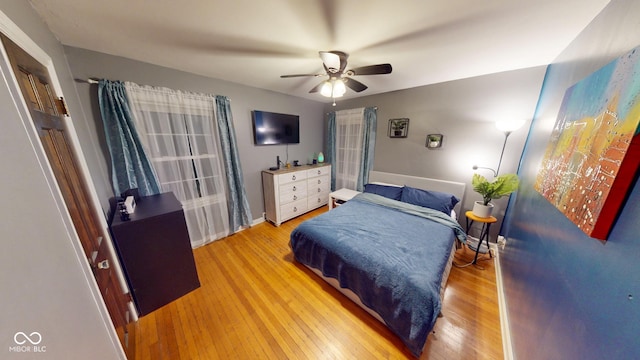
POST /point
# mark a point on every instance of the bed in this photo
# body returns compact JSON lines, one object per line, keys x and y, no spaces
{"x":387,"y":252}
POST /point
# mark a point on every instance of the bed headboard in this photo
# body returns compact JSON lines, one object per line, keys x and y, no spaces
{"x":451,"y":187}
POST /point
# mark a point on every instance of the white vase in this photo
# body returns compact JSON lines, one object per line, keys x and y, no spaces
{"x":481,"y":210}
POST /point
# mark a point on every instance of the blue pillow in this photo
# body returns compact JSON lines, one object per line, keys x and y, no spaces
{"x":431,"y":199}
{"x":391,"y":192}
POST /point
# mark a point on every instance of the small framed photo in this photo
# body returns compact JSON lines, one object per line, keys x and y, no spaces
{"x":434,"y":141}
{"x":398,"y":128}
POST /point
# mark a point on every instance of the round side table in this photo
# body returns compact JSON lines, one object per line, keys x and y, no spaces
{"x":484,"y":232}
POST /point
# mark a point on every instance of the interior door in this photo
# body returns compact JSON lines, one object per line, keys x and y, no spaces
{"x":47,"y":112}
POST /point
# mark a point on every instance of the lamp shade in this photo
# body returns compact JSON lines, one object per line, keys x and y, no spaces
{"x":326,"y":89}
{"x":509,"y":125}
{"x":333,"y":88}
{"x":338,"y":88}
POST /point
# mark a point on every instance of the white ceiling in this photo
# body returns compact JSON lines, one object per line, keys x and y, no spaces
{"x":253,"y":42}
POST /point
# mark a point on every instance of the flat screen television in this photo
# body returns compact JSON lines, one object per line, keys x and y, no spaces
{"x":274,"y":128}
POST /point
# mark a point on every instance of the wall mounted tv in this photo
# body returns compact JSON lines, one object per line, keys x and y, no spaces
{"x":274,"y":128}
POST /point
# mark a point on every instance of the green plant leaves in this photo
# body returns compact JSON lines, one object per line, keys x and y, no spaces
{"x":501,"y":186}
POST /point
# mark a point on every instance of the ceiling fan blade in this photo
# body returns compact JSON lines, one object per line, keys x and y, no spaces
{"x":354,"y":85}
{"x":372,"y":70}
{"x":299,"y":75}
{"x":334,"y":61}
{"x":316,"y":88}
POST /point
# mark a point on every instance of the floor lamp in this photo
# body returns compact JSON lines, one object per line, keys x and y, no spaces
{"x":507,"y":127}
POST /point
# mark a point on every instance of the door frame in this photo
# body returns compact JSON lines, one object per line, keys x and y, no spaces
{"x":13,"y":32}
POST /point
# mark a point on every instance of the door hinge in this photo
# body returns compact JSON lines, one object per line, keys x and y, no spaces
{"x":61,"y":106}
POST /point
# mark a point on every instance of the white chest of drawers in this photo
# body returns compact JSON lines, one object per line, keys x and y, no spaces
{"x":292,"y":192}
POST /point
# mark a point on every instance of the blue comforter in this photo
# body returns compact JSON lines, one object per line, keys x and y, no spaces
{"x":391,"y":254}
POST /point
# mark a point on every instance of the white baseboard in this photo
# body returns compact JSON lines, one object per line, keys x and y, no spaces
{"x":502,"y":305}
{"x":257,"y":221}
{"x":253,"y":223}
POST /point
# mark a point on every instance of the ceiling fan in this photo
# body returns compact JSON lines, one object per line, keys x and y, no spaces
{"x":335,"y":63}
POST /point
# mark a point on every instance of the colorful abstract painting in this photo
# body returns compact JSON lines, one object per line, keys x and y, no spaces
{"x":594,"y":151}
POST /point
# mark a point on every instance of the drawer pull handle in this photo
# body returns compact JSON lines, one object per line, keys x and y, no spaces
{"x":295,"y":209}
{"x":295,"y":197}
{"x":293,"y":177}
{"x":294,"y":188}
{"x":319,"y":190}
{"x":319,"y":172}
{"x":319,"y":200}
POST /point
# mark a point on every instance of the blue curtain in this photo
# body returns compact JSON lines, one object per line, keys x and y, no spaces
{"x":239,"y":212}
{"x":331,"y":146}
{"x":368,"y":146}
{"x":130,"y":167}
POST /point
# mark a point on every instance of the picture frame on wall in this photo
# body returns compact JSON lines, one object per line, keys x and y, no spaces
{"x":434,"y":141}
{"x":593,"y":154}
{"x":398,"y":128}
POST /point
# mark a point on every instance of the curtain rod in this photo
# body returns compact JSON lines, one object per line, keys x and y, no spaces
{"x":96,"y":81}
{"x":88,"y":81}
{"x":375,"y":107}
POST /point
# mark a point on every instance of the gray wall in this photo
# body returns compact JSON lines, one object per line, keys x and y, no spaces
{"x":464,"y":111}
{"x":570,"y":296}
{"x":86,"y":64}
{"x":46,"y":286}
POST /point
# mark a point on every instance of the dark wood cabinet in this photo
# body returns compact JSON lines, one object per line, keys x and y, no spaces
{"x":155,"y":252}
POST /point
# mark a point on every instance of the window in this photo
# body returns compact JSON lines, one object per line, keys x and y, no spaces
{"x":348,"y":148}
{"x":178,"y":129}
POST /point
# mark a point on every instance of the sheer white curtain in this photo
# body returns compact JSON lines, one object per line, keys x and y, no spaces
{"x":180,"y":134}
{"x":348,"y":147}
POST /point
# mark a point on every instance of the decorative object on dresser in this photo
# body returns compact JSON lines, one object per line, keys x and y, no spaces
{"x":155,"y":251}
{"x":292,"y":192}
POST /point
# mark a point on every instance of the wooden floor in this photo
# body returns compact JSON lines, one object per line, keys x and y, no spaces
{"x":256,"y":302}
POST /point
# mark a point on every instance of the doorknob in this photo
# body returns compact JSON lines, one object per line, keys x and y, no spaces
{"x":104,"y":264}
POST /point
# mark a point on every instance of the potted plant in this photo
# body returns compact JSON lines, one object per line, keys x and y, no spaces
{"x":502,"y":185}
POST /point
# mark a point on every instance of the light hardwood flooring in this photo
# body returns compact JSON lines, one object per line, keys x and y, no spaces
{"x":256,"y":302}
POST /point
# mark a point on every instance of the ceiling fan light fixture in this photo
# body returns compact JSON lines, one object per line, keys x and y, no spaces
{"x":339,"y":78}
{"x":326,"y":89}
{"x":339,"y":88}
{"x":333,"y":88}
